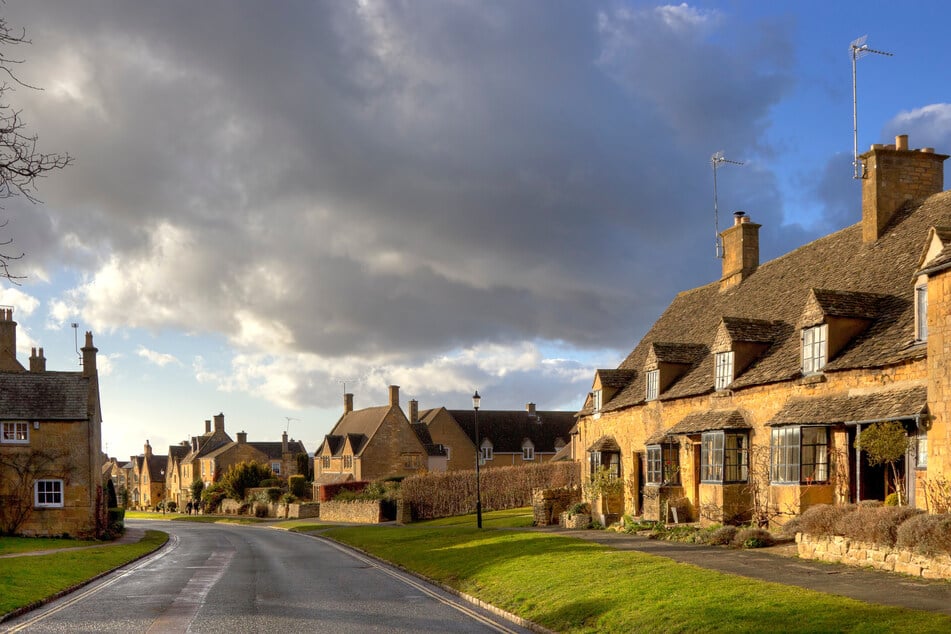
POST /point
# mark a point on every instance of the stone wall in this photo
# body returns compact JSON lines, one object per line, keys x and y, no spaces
{"x":357,"y":511}
{"x":843,"y":550}
{"x":549,"y":504}
{"x":303,"y":510}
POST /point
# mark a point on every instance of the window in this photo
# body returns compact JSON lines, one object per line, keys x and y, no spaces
{"x":663,"y":464}
{"x":203,"y":469}
{"x":799,"y":455}
{"x":724,"y":370}
{"x":814,"y":348}
{"x":448,"y":451}
{"x":610,"y":460}
{"x":921,"y":312}
{"x":348,"y":462}
{"x":276,"y":468}
{"x":48,"y":493}
{"x":325,"y":462}
{"x":411,"y":461}
{"x":724,"y":457}
{"x":15,"y":431}
{"x":486,"y":451}
{"x":653,"y":385}
{"x":921,"y":450}
{"x":528,"y":452}
{"x":596,"y":397}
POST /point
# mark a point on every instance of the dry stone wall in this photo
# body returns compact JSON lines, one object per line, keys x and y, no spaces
{"x":839,"y":549}
{"x":357,"y":511}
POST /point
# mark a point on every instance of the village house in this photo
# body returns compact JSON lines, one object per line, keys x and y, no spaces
{"x":506,"y":437}
{"x":375,"y":443}
{"x":121,"y":476}
{"x":746,"y":397}
{"x":148,"y":479}
{"x":50,"y":443}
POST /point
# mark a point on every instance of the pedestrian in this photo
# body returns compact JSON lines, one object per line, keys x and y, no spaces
{"x":188,"y":508}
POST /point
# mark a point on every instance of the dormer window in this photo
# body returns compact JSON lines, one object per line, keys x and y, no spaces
{"x":653,"y":383}
{"x":814,"y":348}
{"x":724,"y":370}
{"x":596,"y":400}
{"x":528,"y":450}
{"x":921,"y":312}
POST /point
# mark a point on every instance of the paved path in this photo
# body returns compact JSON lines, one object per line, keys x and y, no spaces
{"x":780,"y":565}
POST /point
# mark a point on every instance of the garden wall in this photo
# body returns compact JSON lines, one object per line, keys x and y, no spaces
{"x":549,"y":504}
{"x":839,"y":549}
{"x":357,"y":511}
{"x":303,"y":510}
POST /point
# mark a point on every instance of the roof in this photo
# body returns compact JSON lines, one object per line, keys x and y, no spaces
{"x":359,"y":426}
{"x":752,"y":330}
{"x":605,"y":443}
{"x":710,"y":420}
{"x":177,"y":452}
{"x":615,"y":378}
{"x":845,"y":275}
{"x":422,"y":432}
{"x":59,"y":396}
{"x":563,"y":454}
{"x":864,"y":408}
{"x":682,"y":353}
{"x":157,"y":466}
{"x":333,"y":478}
{"x":275,"y":450}
{"x":508,"y":429}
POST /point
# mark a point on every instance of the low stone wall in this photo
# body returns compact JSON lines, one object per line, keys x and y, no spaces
{"x":359,"y":511}
{"x":843,"y":550}
{"x":230,"y":507}
{"x":303,"y":510}
{"x":576,"y":521}
{"x":549,"y":504}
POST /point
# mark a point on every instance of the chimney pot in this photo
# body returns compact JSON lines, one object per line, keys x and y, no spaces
{"x":394,"y":396}
{"x":901,"y":142}
{"x":347,"y":403}
{"x":219,"y":422}
{"x":530,"y":408}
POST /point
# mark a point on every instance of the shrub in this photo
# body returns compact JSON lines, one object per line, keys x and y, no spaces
{"x":892,"y":500}
{"x":329,"y":491}
{"x":297,"y":485}
{"x":271,"y":482}
{"x":875,"y":524}
{"x":115,"y":523}
{"x":579,"y":508}
{"x":753,"y":538}
{"x":212,"y":496}
{"x":172,"y":506}
{"x":273,"y":494}
{"x":243,"y":476}
{"x":722,"y":536}
{"x":288,"y":498}
{"x":818,"y":520}
{"x":926,"y":534}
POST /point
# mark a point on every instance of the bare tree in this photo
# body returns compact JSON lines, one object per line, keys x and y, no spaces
{"x":19,"y":469}
{"x":21,"y":163}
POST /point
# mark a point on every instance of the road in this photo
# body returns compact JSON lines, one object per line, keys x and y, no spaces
{"x":225,"y":578}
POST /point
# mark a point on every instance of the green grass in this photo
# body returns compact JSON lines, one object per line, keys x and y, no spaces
{"x":301,"y":525}
{"x":208,"y":519}
{"x":12,"y":545}
{"x":571,"y":585}
{"x":511,"y":518}
{"x":26,"y":580}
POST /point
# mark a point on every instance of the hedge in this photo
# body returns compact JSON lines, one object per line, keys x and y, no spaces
{"x":330,"y":491}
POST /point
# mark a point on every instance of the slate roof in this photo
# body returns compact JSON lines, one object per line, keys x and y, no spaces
{"x":616,"y":378}
{"x":507,"y":429}
{"x":865,"y":408}
{"x":421,"y":430}
{"x":752,"y":330}
{"x":358,"y":425}
{"x":848,"y":303}
{"x":157,"y":467}
{"x":682,"y":353}
{"x":710,"y":420}
{"x":177,"y":452}
{"x":605,"y":443}
{"x":274,"y":450}
{"x":59,"y":396}
{"x":778,"y":291}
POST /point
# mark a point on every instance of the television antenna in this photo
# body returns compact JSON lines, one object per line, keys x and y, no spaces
{"x":289,"y":419}
{"x":75,"y":327}
{"x":344,"y":381}
{"x":716,"y":160}
{"x":858,"y":49}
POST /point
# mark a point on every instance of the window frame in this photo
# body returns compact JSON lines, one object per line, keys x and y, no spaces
{"x":815,"y":348}
{"x":276,"y":467}
{"x":921,"y":449}
{"x":11,"y":437}
{"x":485,"y":451}
{"x":788,"y":460}
{"x":348,"y":462}
{"x":59,"y":493}
{"x":325,"y":463}
{"x":663,"y":464}
{"x":597,"y":399}
{"x":528,"y":451}
{"x":723,"y":370}
{"x":921,"y":312}
{"x":652,"y":380}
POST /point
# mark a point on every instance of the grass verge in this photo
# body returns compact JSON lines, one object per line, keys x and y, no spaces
{"x":28,"y":580}
{"x":207,"y":519}
{"x":570,"y":585}
{"x":16,"y":545}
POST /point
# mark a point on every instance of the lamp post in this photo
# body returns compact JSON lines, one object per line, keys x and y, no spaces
{"x":476,"y":400}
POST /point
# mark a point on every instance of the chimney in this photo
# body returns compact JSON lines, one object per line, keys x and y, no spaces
{"x":219,"y":422}
{"x":394,"y":396}
{"x":195,"y":443}
{"x":207,"y":426}
{"x":347,"y":403}
{"x":37,"y":362}
{"x":89,"y":356}
{"x":8,"y":333}
{"x":414,"y":411}
{"x":530,"y":408}
{"x":242,"y":437}
{"x":740,"y":250}
{"x":284,"y":442}
{"x":894,"y":175}
{"x":148,"y":449}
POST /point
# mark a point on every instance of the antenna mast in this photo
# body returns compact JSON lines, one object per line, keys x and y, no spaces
{"x":715,"y":161}
{"x":76,"y":341}
{"x":289,"y":419}
{"x":858,"y":50}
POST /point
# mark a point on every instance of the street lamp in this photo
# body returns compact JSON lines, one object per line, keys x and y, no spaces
{"x":476,"y":400}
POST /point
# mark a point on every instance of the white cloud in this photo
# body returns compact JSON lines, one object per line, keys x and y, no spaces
{"x":158,"y":358}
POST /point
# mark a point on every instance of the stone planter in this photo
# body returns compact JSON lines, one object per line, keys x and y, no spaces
{"x":574,"y":521}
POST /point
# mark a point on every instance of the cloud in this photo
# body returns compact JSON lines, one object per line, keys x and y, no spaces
{"x":158,"y":358}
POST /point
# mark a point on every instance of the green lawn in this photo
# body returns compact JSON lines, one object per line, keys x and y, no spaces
{"x":224,"y":519}
{"x":11,"y":545}
{"x":26,"y":580}
{"x":571,"y":585}
{"x":511,"y":518}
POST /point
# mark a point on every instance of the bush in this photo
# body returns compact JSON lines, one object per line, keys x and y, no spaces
{"x":875,"y":524}
{"x":891,"y":499}
{"x":926,"y":534}
{"x":243,"y":476}
{"x":212,"y":496}
{"x":753,"y":538}
{"x":818,"y":520}
{"x":271,"y":482}
{"x":172,"y":506}
{"x":115,"y":522}
{"x":330,"y":491}
{"x":297,"y":484}
{"x":288,"y":498}
{"x":722,"y":536}
{"x":579,"y":508}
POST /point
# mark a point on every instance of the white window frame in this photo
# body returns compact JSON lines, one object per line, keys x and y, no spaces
{"x":723,"y":374}
{"x":921,"y":312}
{"x":815,"y":348}
{"x":12,"y":430}
{"x":276,"y":467}
{"x":448,"y":451}
{"x":596,"y":398}
{"x":52,"y":497}
{"x":653,"y":385}
{"x":486,"y":451}
{"x":528,"y":451}
{"x":921,"y":450}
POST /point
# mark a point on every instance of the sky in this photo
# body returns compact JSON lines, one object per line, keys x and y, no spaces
{"x":272,"y":203}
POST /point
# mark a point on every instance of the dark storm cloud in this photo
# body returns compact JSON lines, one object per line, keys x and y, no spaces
{"x":397,"y":179}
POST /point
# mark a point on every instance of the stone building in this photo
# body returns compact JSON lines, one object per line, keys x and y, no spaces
{"x":148,"y":479}
{"x":50,"y":443}
{"x":506,"y":437}
{"x":746,"y":397}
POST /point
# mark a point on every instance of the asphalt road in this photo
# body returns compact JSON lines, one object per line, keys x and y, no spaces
{"x":220,"y":578}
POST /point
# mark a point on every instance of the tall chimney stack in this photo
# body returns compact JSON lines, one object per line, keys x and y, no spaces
{"x":740,"y":250}
{"x":219,"y":422}
{"x":893,"y":176}
{"x":89,"y":356}
{"x":37,"y":361}
{"x":414,"y":411}
{"x":242,"y":437}
{"x":284,"y":443}
{"x":148,"y":449}
{"x":530,"y":408}
{"x":8,"y":341}
{"x":207,"y":426}
{"x":394,"y":396}
{"x":347,"y":403}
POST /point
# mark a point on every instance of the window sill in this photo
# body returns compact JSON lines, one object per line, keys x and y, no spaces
{"x":813,"y":379}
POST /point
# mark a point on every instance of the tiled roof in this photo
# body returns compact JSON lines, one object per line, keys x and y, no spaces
{"x":275,"y":450}
{"x":878,"y":406}
{"x":60,"y":396}
{"x":616,"y":378}
{"x":333,"y":478}
{"x":157,"y":466}
{"x":682,"y":353}
{"x":752,"y":330}
{"x":710,"y":420}
{"x":847,"y":303}
{"x":563,"y":454}
{"x":507,"y":429}
{"x":359,"y":425}
{"x":177,"y":452}
{"x":779,"y":290}
{"x":422,"y":432}
{"x":604,"y":443}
